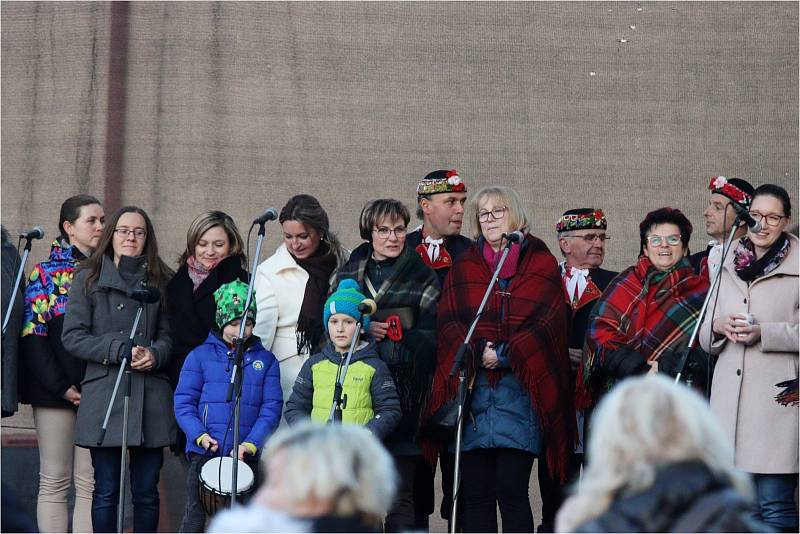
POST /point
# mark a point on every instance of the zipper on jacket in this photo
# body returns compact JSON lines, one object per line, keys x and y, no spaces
{"x":205,"y":414}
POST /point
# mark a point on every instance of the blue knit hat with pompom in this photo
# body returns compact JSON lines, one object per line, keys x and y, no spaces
{"x":345,"y":300}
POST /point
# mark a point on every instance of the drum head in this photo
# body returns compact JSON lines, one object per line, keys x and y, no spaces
{"x":216,"y":474}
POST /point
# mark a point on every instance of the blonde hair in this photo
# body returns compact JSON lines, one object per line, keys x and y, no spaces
{"x":643,"y":424}
{"x":343,"y":464}
{"x":515,"y":209}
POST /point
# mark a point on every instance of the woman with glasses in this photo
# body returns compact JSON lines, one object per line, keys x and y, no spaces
{"x":406,"y":291}
{"x":754,"y":330}
{"x":51,"y":377}
{"x":97,"y":326}
{"x":291,"y":287}
{"x":521,"y":402}
{"x":646,"y":315}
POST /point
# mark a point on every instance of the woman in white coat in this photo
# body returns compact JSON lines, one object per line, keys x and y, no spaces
{"x":755,"y":333}
{"x":291,"y":286}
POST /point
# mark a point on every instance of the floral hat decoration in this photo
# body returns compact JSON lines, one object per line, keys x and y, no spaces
{"x":736,"y":189}
{"x":582,"y":219}
{"x":441,"y":182}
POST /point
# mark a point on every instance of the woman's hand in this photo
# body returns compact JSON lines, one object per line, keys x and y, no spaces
{"x":73,"y":396}
{"x":208,"y":443}
{"x":489,"y":358}
{"x":142,"y":359}
{"x":378,"y":330}
{"x":736,"y":329}
{"x":749,"y":334}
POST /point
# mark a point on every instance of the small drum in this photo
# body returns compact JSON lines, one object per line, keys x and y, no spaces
{"x":215,"y":483}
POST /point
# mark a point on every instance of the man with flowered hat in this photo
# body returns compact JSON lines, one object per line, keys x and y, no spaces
{"x":440,"y":204}
{"x":726,"y":194}
{"x":582,"y":240}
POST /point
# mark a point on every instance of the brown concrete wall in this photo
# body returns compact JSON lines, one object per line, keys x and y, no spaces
{"x":237,"y":106}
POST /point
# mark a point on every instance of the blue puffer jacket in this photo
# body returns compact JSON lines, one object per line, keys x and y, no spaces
{"x":201,"y":396}
{"x":501,"y":416}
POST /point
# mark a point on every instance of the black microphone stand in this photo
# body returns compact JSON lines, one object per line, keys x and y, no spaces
{"x":338,"y":402}
{"x":124,"y":369}
{"x":714,"y":282}
{"x":235,"y":386}
{"x":458,"y":367}
{"x":22,"y":262}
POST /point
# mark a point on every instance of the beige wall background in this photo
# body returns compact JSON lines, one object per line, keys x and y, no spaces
{"x":628,"y":106}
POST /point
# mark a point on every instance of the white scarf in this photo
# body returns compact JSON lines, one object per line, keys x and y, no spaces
{"x":577,"y":280}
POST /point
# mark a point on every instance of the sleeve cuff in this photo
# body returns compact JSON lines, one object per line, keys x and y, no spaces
{"x":250,"y":448}
{"x":200,"y":439}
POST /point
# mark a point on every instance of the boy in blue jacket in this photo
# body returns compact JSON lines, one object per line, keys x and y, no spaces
{"x":201,"y":406}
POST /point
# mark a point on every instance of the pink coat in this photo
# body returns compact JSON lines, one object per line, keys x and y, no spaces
{"x":764,"y":433}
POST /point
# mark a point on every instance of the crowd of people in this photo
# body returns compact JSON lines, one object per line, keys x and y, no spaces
{"x":554,"y":366}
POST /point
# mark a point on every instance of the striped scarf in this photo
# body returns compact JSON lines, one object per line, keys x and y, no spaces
{"x":644,"y":309}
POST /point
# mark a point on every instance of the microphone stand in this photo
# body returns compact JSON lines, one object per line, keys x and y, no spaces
{"x":22,"y":262}
{"x":717,"y":276}
{"x":338,"y":402}
{"x":124,"y":369}
{"x":458,"y":366}
{"x":235,"y":386}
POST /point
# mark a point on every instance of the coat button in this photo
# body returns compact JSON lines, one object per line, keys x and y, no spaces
{"x":738,"y":372}
{"x":745,"y":301}
{"x":122,"y":331}
{"x":120,"y":306}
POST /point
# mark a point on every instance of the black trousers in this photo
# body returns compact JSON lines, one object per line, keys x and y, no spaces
{"x":553,"y":492}
{"x":492,"y":477}
{"x":401,"y":517}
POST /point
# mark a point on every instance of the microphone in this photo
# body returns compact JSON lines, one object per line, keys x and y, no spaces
{"x":34,"y":233}
{"x":367,"y":307}
{"x":514,"y":237}
{"x":270,"y":214}
{"x":148,"y":294}
{"x":752,"y":224}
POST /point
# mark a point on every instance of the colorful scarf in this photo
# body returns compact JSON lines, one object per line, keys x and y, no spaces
{"x":492,"y":258}
{"x":319,"y":267}
{"x":531,"y":317}
{"x":644,"y":309}
{"x":749,"y":268}
{"x":198,"y":272}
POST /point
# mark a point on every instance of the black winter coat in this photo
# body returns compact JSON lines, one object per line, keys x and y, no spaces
{"x":192,"y":313}
{"x":684,"y":497}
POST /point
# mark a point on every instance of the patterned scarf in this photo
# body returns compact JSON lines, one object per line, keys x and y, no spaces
{"x":644,"y":309}
{"x":319,"y":267}
{"x":198,"y":272}
{"x":749,"y":268}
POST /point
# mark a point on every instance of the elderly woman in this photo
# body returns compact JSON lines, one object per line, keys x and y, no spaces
{"x":646,"y":315}
{"x":291,"y":286}
{"x":755,"y":333}
{"x":97,"y":325}
{"x":406,"y":291}
{"x":521,"y":403}
{"x":51,"y":377}
{"x":658,"y":462}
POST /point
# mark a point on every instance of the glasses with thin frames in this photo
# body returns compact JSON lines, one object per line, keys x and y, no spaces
{"x":384,"y":232}
{"x":771,"y":219}
{"x":590,"y":238}
{"x":137,"y":233}
{"x":658,"y":240}
{"x":497,"y":213}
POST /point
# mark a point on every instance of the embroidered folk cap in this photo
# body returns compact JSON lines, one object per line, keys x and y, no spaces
{"x":582,"y":219}
{"x":736,"y":189}
{"x":441,"y":182}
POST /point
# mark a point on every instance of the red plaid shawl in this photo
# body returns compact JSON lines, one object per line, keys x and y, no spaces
{"x":535,"y":326}
{"x":645,"y":309}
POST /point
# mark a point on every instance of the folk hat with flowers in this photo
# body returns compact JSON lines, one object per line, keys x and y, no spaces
{"x":441,"y":182}
{"x":582,"y":219}
{"x":736,"y":189}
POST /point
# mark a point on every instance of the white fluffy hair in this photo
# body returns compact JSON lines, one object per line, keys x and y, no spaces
{"x":642,"y":424}
{"x":343,"y":464}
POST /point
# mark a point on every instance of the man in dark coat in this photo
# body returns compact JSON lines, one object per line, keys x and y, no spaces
{"x":582,"y":239}
{"x":440,"y":204}
{"x":11,"y":336}
{"x":726,"y":194}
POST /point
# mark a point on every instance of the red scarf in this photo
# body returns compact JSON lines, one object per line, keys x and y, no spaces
{"x":492,"y":258}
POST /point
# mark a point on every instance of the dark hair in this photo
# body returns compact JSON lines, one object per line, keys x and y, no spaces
{"x":71,"y":210}
{"x":665,"y":216}
{"x":158,"y":273}
{"x":777,"y":192}
{"x":375,"y":210}
{"x":307,"y":210}
{"x":205,"y":222}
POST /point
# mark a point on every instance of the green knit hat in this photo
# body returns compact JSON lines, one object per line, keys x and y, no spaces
{"x":345,"y":300}
{"x":230,"y":299}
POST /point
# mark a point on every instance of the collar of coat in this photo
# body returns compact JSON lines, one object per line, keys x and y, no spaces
{"x":109,"y":273}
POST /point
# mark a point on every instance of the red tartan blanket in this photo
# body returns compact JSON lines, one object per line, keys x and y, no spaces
{"x":534,"y":324}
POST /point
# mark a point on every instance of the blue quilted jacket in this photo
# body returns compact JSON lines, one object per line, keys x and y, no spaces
{"x":201,"y":396}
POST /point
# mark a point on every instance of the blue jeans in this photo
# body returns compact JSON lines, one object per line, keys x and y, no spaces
{"x":144,"y":468}
{"x":775,"y":496}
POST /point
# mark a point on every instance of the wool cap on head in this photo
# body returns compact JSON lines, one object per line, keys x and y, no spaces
{"x":736,"y":189}
{"x":345,"y":300}
{"x":582,"y":219}
{"x":441,"y":182}
{"x":230,"y":299}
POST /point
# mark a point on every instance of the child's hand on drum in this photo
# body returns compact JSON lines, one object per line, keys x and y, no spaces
{"x":242,"y":451}
{"x":209,"y":443}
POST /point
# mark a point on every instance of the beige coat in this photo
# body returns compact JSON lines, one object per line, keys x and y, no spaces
{"x":764,"y":433}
